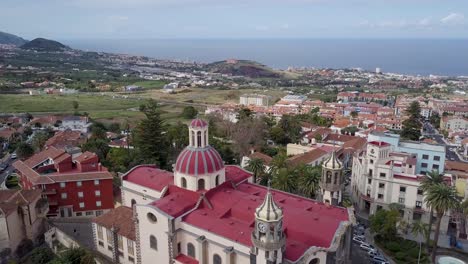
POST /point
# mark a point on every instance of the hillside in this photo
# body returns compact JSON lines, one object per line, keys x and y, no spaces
{"x":41,"y":44}
{"x":246,"y":68}
{"x":6,"y":38}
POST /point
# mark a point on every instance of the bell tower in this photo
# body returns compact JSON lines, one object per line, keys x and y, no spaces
{"x":268,"y":238}
{"x":332,"y":181}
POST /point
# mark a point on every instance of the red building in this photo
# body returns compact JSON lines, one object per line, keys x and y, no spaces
{"x":74,"y":186}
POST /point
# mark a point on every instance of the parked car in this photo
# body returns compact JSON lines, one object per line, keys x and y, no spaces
{"x":3,"y":167}
{"x":366,"y":247}
{"x":13,"y":156}
{"x":379,"y":258}
{"x":358,"y":240}
{"x":380,"y":262}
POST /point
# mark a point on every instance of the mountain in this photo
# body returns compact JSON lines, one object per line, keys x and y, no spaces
{"x":41,"y":44}
{"x":6,"y":38}
{"x":246,"y":68}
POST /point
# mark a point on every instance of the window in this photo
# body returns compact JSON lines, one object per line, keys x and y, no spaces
{"x":436,"y":158}
{"x":381,"y":185}
{"x":79,"y":183}
{"x":99,"y":232}
{"x":370,"y":172}
{"x":371,"y":161}
{"x":131,"y":259}
{"x":424,"y":165}
{"x":435,"y":167}
{"x":315,"y":261}
{"x":425,"y":157}
{"x":190,"y":250}
{"x":130,"y":247}
{"x":369,"y":181}
{"x":101,"y":244}
{"x":418,"y":204}
{"x":335,"y":180}
{"x":153,"y":242}
{"x":380,"y":196}
{"x":179,"y":248}
{"x":216,"y":259}
{"x":96,"y":182}
{"x":81,"y":205}
{"x":217,"y":180}
{"x":401,"y":200}
{"x":383,"y":175}
{"x":420,"y":192}
{"x":201,"y":184}
{"x":417,"y":216}
{"x":410,"y":166}
{"x":329,"y":176}
{"x":80,"y":194}
{"x":62,"y":184}
{"x":133,"y":202}
{"x":193,"y":138}
{"x":152,"y":218}
{"x":98,"y":203}
{"x":97,"y":193}
{"x":79,"y":214}
{"x":379,"y":207}
{"x":120,"y":242}
{"x":402,"y":189}
{"x":64,"y":195}
{"x":199,"y":139}
{"x":89,"y":213}
{"x":99,"y":212}
{"x":109,"y":236}
{"x":184,"y":182}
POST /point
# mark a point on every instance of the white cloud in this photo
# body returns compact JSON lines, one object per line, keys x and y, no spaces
{"x":453,"y":19}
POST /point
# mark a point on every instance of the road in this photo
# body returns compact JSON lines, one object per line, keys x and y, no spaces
{"x":8,"y":169}
{"x":433,"y":133}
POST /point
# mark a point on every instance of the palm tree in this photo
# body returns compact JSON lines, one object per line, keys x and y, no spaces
{"x":431,"y":179}
{"x":442,"y":198}
{"x":308,"y":179}
{"x":419,"y":229}
{"x":257,"y":167}
{"x":278,"y":162}
{"x":283,"y":181}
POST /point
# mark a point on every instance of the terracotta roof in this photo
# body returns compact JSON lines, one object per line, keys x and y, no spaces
{"x":120,"y":218}
{"x":6,"y":133}
{"x":11,"y":199}
{"x":456,"y":166}
{"x":48,"y":153}
{"x":264,"y":157}
{"x":83,"y":158}
{"x":63,"y":139}
{"x":307,"y":157}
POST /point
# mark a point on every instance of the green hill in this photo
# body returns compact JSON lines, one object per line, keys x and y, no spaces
{"x":41,"y":44}
{"x":6,"y":38}
{"x":246,"y":68}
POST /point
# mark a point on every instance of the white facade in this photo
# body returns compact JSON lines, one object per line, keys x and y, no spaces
{"x":111,"y":244}
{"x":254,"y":99}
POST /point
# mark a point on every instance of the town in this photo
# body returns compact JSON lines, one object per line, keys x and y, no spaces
{"x":112,"y":158}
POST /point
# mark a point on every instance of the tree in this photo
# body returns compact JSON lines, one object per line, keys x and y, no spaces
{"x":75,"y":105}
{"x":435,"y":120}
{"x":384,"y":223}
{"x":419,"y":229}
{"x":350,"y":130}
{"x":257,"y":167}
{"x":431,"y":179}
{"x":354,"y":114}
{"x":98,"y":146}
{"x":39,"y":139}
{"x":149,"y":135}
{"x":24,"y":151}
{"x":414,"y":110}
{"x":74,"y":256}
{"x":115,"y":127}
{"x":244,"y":113}
{"x":442,"y":198}
{"x":292,"y":127}
{"x":189,"y":112}
{"x":308,"y":179}
{"x":42,"y":255}
{"x":283,"y":181}
{"x":412,"y":126}
{"x":278,"y":135}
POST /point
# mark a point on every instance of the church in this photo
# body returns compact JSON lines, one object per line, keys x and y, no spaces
{"x":208,"y":212}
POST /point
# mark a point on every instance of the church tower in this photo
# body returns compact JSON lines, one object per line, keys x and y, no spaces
{"x":332,"y":181}
{"x":268,"y":238}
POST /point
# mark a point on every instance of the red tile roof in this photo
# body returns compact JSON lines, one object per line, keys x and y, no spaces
{"x":63,"y":139}
{"x":177,"y":201}
{"x":48,"y":153}
{"x":120,"y":218}
{"x":236,"y":174}
{"x":11,"y":199}
{"x":199,"y":161}
{"x":149,"y":176}
{"x":85,"y":157}
{"x":307,"y":157}
{"x":181,"y":258}
{"x":198,"y":123}
{"x":230,"y":213}
{"x":264,"y":157}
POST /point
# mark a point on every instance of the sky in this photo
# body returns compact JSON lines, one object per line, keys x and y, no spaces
{"x":138,"y":19}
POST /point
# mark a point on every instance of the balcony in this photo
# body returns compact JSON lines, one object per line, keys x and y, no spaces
{"x":367,"y":198}
{"x":419,"y":209}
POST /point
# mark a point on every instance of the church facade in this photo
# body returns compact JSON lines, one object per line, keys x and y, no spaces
{"x":208,"y":212}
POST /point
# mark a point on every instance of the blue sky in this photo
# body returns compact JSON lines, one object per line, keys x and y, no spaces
{"x":76,"y":19}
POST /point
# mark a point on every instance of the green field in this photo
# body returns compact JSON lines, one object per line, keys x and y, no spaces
{"x":151,"y":84}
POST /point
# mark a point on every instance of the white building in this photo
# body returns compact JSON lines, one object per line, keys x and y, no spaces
{"x":75,"y":123}
{"x":382,"y":176}
{"x":254,"y":99}
{"x":208,"y":212}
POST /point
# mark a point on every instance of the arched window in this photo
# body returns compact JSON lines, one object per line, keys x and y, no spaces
{"x":153,"y":242}
{"x":315,"y":261}
{"x":216,"y":259}
{"x":199,"y":139}
{"x":329,"y":177}
{"x":336,"y":178}
{"x":190,"y":250}
{"x":201,"y":184}
{"x":183,"y":182}
{"x":217,"y":180}
{"x":193,"y":138}
{"x":206,"y":138}
{"x":133,"y":202}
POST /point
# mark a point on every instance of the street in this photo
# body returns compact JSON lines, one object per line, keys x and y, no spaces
{"x":8,"y":161}
{"x":450,"y":154}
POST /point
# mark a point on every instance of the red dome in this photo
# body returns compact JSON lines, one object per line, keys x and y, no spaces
{"x":199,"y":161}
{"x":198,"y":123}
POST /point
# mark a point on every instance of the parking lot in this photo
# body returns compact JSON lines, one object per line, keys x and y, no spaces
{"x":359,"y":255}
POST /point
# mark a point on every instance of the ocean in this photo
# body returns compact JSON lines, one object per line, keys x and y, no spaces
{"x":447,"y":57}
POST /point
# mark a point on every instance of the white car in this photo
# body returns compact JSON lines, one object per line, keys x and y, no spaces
{"x":13,"y":156}
{"x":358,"y":240}
{"x":366,"y":247}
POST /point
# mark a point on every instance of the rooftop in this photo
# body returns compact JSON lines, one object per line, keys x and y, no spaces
{"x":120,"y":218}
{"x":149,"y":176}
